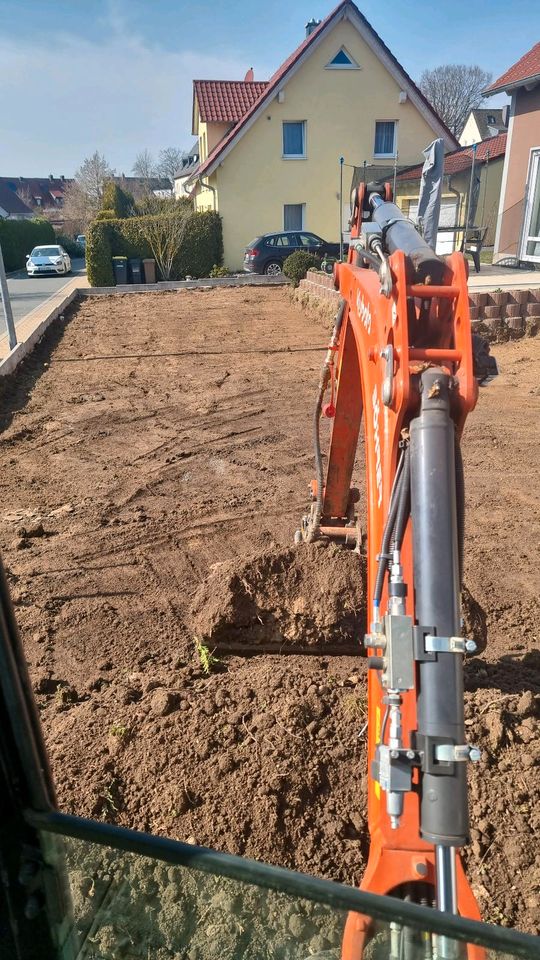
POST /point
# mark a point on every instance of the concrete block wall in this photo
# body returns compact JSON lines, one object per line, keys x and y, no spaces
{"x":319,"y":285}
{"x":506,"y":314}
{"x":496,"y":315}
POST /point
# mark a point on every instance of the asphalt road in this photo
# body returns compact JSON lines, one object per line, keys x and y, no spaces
{"x":28,"y":292}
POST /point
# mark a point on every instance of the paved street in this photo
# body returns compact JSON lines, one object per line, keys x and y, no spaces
{"x":26,"y":292}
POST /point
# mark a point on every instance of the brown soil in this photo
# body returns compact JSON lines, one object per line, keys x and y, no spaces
{"x":156,"y":452}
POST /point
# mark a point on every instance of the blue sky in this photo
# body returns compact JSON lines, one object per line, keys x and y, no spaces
{"x":115,"y":75}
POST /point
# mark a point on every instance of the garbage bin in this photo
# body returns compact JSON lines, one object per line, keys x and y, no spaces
{"x":149,"y":269}
{"x":120,"y":269}
{"x":135,"y":271}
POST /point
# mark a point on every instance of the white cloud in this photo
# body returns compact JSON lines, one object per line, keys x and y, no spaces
{"x":64,"y":96}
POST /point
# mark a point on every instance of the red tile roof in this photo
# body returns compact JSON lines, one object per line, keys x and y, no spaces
{"x":280,"y":74}
{"x":462,"y":159}
{"x":226,"y":101}
{"x":517,"y":75}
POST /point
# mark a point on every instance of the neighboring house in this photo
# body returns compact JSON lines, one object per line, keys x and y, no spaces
{"x":518,"y":221}
{"x":481,"y":124}
{"x":269,"y":152}
{"x":140,"y":187}
{"x":44,"y":196}
{"x":189,"y":165}
{"x":486,"y":188}
{"x":11,"y":205}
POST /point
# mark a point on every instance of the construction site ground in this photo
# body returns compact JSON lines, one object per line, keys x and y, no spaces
{"x":194,"y":671}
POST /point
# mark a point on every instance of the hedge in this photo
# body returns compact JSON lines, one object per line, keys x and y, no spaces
{"x":297,"y":265}
{"x":201,"y":248}
{"x":18,"y":237}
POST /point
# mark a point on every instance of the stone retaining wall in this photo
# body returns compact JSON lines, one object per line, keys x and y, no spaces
{"x":506,"y":314}
{"x":497,"y":315}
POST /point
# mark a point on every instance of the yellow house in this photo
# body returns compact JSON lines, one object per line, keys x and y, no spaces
{"x":269,"y":152}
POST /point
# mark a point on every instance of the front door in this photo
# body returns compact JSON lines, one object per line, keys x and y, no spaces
{"x":530,"y":247}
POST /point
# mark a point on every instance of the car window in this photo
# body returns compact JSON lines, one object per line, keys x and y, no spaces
{"x":45,"y":252}
{"x":285,"y":240}
{"x":270,"y":241}
{"x":310,"y":240}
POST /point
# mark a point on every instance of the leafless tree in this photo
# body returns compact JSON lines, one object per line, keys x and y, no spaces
{"x":144,"y":165}
{"x":453,"y":91}
{"x":82,"y":197}
{"x":92,"y":175}
{"x":78,"y":210}
{"x":164,"y":234}
{"x":170,"y":161}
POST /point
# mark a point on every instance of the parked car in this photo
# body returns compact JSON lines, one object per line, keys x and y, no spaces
{"x":81,"y":240}
{"x":266,"y":254}
{"x":48,"y":260}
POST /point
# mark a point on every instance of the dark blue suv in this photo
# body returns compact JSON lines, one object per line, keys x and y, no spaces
{"x":266,"y":254}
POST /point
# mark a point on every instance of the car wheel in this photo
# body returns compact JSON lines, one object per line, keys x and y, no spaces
{"x":273,"y":269}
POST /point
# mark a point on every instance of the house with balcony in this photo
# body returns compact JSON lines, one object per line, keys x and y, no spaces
{"x":518,"y":221}
{"x":471,"y":188}
{"x":270,"y":150}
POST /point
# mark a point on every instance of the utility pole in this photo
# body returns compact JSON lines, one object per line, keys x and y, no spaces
{"x":6,"y":304}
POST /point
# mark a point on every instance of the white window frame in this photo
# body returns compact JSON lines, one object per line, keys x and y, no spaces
{"x":532,"y":171}
{"x":295,"y":229}
{"x":353,"y":65}
{"x":386,"y":155}
{"x":294,"y":156}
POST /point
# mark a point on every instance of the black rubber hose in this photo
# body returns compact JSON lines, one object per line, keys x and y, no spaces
{"x":460,"y":507}
{"x":404,"y":504}
{"x":319,"y":471}
{"x":388,"y":530}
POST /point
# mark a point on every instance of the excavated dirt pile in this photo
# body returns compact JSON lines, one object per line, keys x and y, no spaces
{"x":154,"y":470}
{"x":308,"y":596}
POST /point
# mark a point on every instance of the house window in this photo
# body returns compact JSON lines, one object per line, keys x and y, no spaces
{"x":385,"y":138}
{"x":294,"y":140}
{"x":342,"y":61}
{"x":293,"y":216}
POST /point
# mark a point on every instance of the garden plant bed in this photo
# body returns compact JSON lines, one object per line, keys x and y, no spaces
{"x":156,"y":453}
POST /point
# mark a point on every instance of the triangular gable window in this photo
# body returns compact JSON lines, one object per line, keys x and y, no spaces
{"x":343,"y":61}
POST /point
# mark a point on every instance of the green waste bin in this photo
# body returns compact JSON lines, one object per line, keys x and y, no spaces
{"x":120,"y":269}
{"x":149,"y":270}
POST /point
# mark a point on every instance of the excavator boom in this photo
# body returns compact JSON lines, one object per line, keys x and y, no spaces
{"x":401,"y":358}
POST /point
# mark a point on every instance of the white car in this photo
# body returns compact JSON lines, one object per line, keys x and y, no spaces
{"x":52,"y":259}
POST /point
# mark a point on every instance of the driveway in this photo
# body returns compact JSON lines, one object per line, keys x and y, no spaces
{"x":26,"y":292}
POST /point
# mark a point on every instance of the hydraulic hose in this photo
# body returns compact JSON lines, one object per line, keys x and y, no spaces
{"x":404,"y":503}
{"x":315,"y":523}
{"x":388,"y":531}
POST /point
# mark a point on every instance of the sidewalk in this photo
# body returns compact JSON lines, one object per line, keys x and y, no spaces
{"x":492,"y":277}
{"x":33,"y":325}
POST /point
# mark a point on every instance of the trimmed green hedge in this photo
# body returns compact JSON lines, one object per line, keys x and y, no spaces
{"x":201,"y":248}
{"x":18,"y":237}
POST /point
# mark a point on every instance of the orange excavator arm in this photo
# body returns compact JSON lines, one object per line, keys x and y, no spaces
{"x":401,"y":357}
